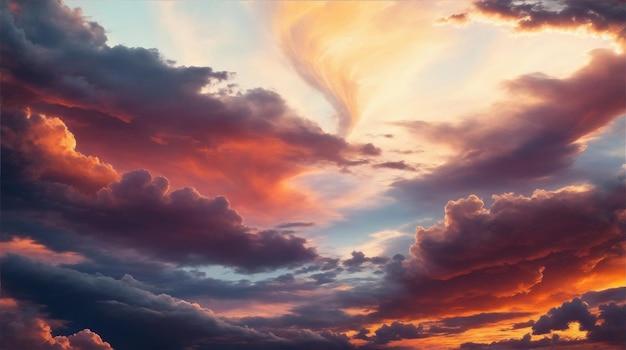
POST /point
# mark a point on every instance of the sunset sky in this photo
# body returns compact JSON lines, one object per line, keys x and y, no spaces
{"x":313,"y":175}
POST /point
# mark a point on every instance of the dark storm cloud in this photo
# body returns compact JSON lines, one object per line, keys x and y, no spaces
{"x":530,"y":138}
{"x":131,"y":318}
{"x":602,"y":17}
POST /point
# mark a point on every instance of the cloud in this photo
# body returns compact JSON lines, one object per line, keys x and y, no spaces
{"x":529,"y":138}
{"x":400,"y":165}
{"x":396,"y":331}
{"x":130,"y":318}
{"x":559,"y":318}
{"x":606,"y":327}
{"x":58,"y":63}
{"x":460,"y":324}
{"x":525,"y":342}
{"x":295,"y":225}
{"x":611,"y":330}
{"x":599,"y":17}
{"x":35,"y":251}
{"x":593,"y":298}
{"x":48,"y":150}
{"x":184,"y":226}
{"x":358,"y":258}
{"x":22,"y":327}
{"x":311,"y":316}
{"x":353,"y":53}
{"x":519,"y":228}
{"x":518,"y":252}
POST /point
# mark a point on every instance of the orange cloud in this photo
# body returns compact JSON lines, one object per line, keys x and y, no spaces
{"x":351,"y":50}
{"x":24,"y":328}
{"x":50,"y":150}
{"x":36,"y":251}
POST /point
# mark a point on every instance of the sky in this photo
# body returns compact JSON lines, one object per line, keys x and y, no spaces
{"x":313,"y":175}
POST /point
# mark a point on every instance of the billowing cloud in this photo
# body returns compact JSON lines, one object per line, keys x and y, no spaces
{"x":186,"y":227}
{"x":518,"y":228}
{"x":48,"y":150}
{"x":529,"y":138}
{"x":608,"y":326}
{"x":22,"y":327}
{"x":58,"y":63}
{"x":520,"y":251}
{"x":559,"y":318}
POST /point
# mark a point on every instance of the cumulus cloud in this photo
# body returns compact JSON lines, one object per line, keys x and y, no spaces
{"x":608,"y":326}
{"x":23,"y":327}
{"x":521,"y":250}
{"x":518,"y":228}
